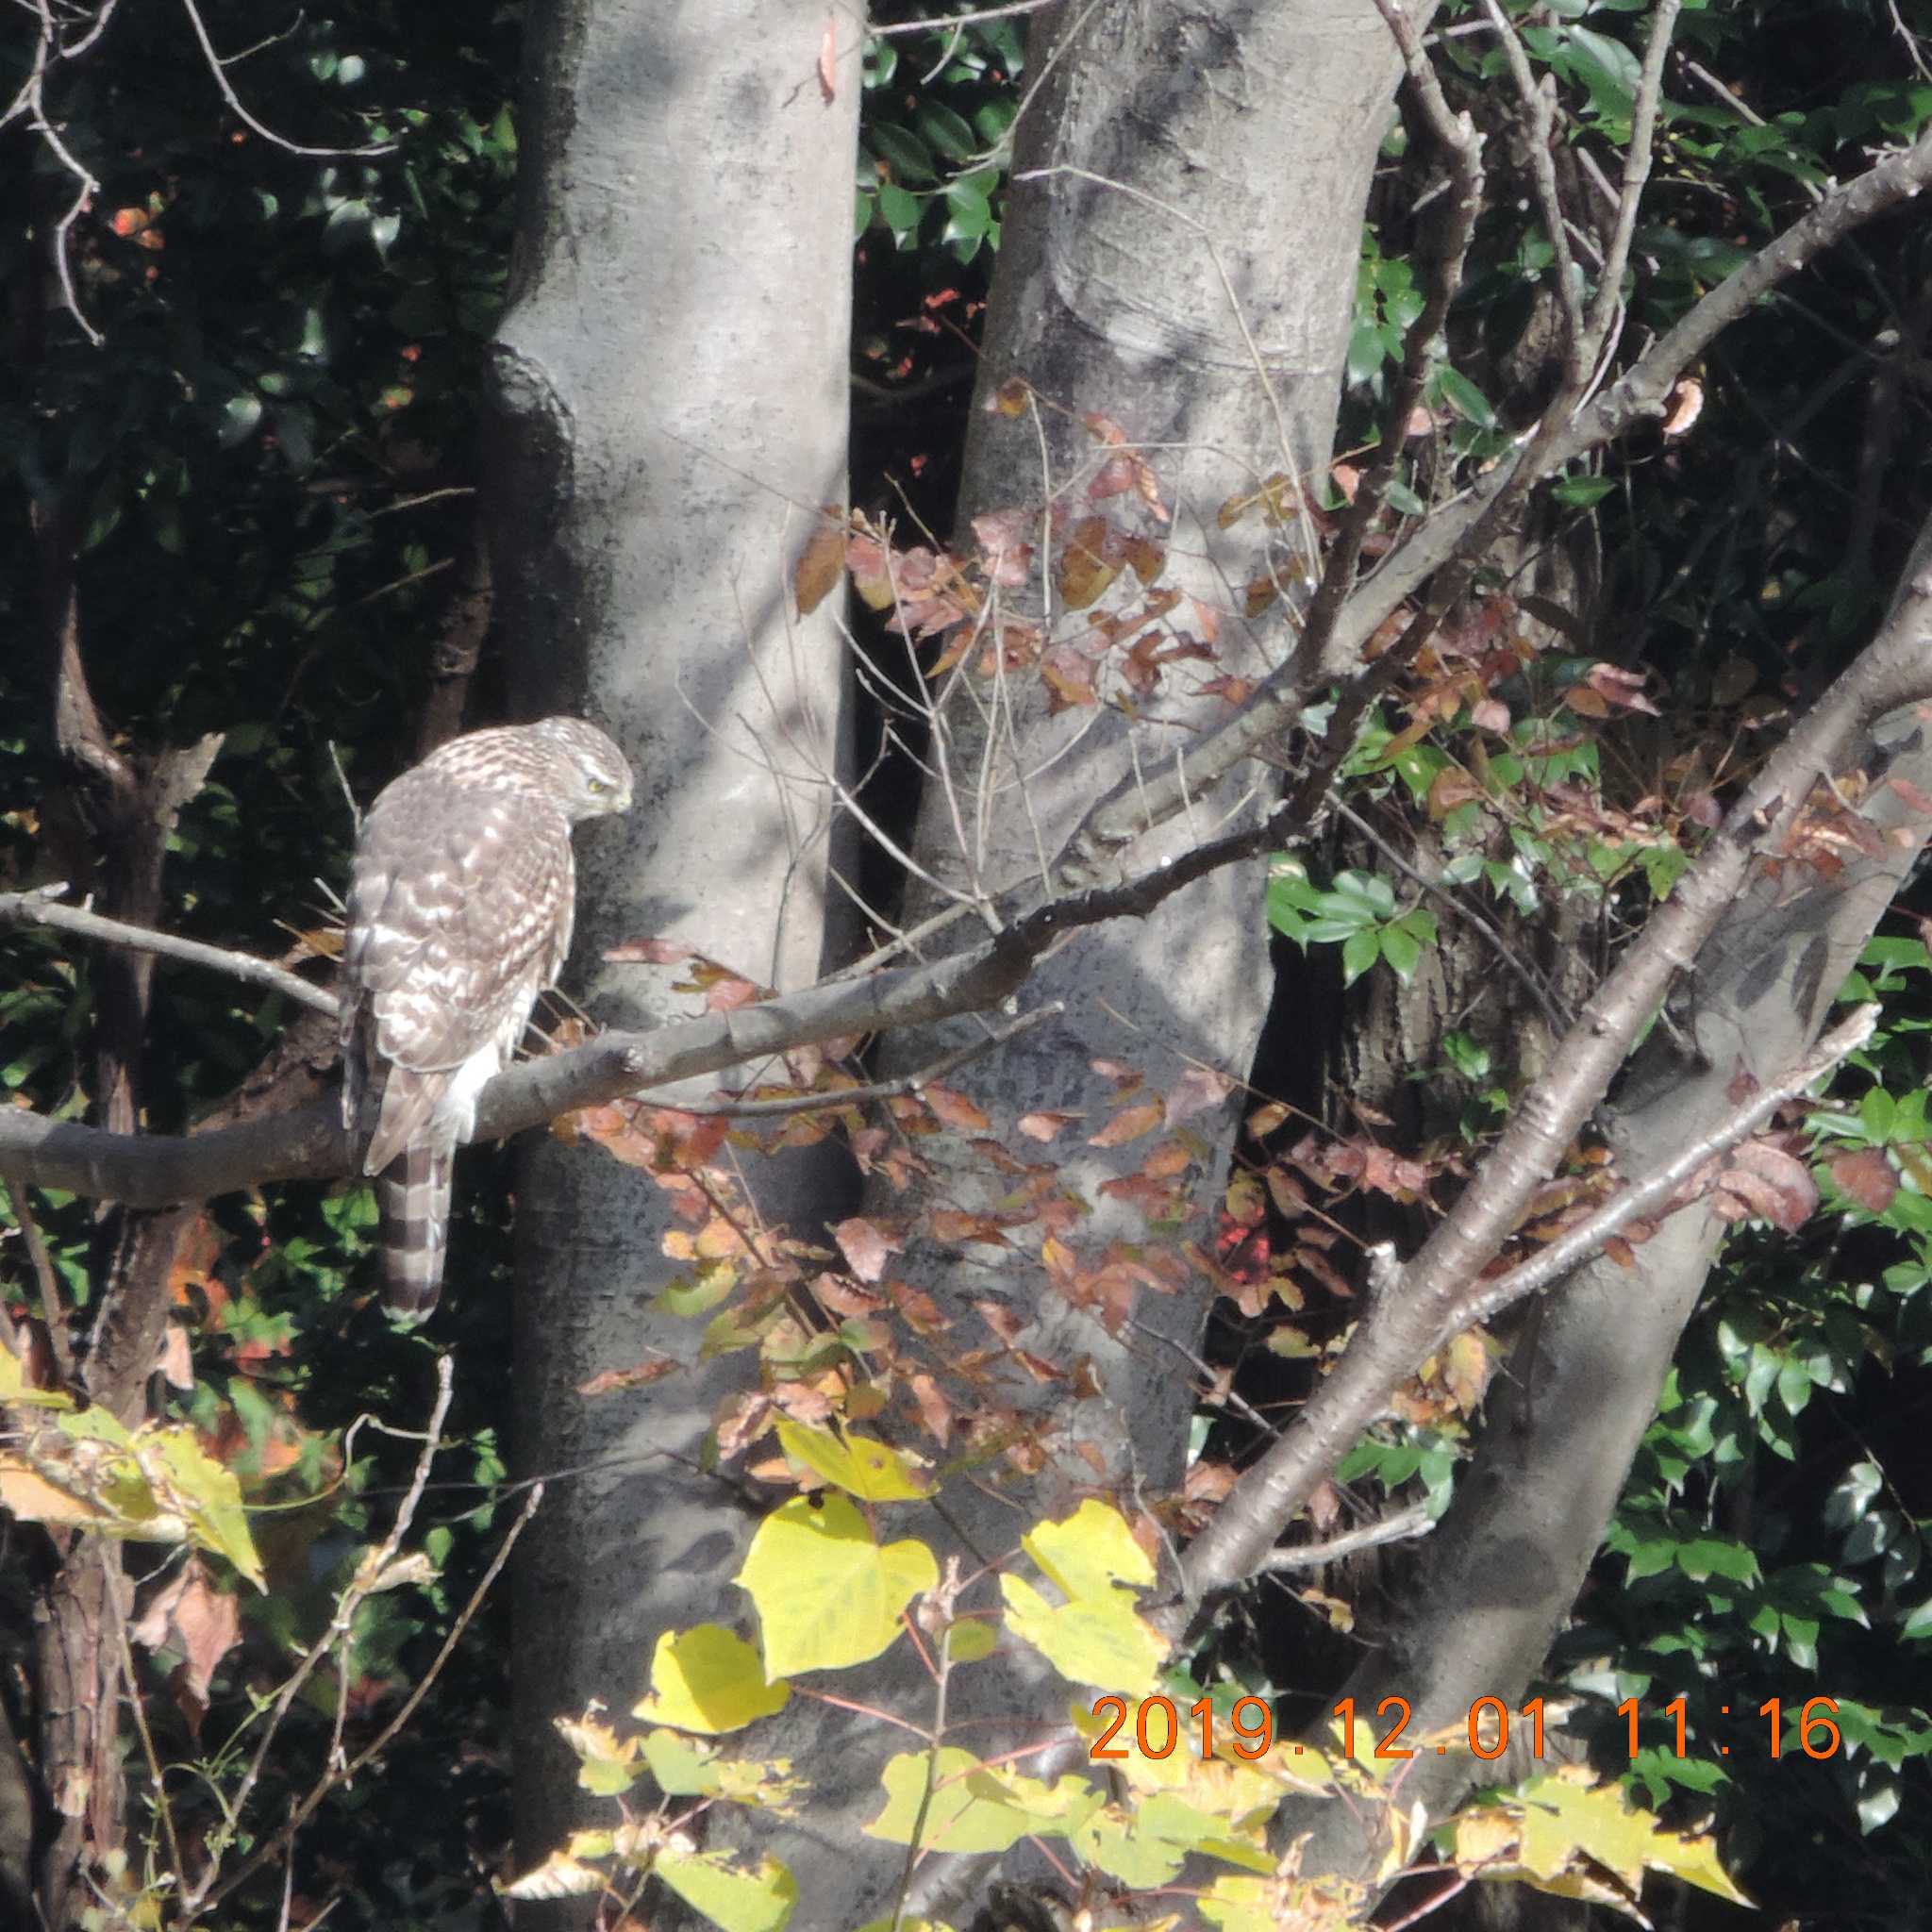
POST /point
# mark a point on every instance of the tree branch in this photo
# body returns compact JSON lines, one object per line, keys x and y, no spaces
{"x":1640,"y":391}
{"x":1431,"y":1296}
{"x":156,"y":1170}
{"x":41,"y":907}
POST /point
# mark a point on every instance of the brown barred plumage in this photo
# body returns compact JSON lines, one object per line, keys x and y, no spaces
{"x":460,"y":912}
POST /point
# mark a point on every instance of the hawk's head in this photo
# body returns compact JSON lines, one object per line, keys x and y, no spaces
{"x":590,"y":772}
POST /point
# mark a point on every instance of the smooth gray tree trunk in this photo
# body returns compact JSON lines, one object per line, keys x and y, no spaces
{"x":670,"y":413}
{"x":1182,"y":262}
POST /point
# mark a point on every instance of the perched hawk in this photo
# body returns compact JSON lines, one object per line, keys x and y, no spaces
{"x":459,"y":914}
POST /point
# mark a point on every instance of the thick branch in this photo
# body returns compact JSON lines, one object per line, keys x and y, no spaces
{"x":155,"y":1170}
{"x":1432,"y":1295}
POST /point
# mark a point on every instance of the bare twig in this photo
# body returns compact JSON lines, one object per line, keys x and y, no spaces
{"x":1608,"y":302}
{"x":1405,"y":1526}
{"x":41,"y":907}
{"x":1437,"y":1289}
{"x":1539,"y":116}
{"x":369,"y":1579}
{"x":157,"y":1170}
{"x":218,"y":67}
{"x":1462,"y":152}
{"x":940,"y":22}
{"x":1640,"y":391}
{"x":273,"y":1847}
{"x":1583,"y":1240}
{"x":119,"y":1610}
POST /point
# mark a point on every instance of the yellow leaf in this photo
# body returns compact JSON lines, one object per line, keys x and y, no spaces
{"x":710,"y":1680}
{"x":1091,"y":1552}
{"x":970,"y":1640}
{"x":974,"y":1807}
{"x":827,"y":1595}
{"x":685,"y":1767}
{"x":728,"y":1895}
{"x":606,"y":1764}
{"x":558,"y":1877}
{"x":185,"y":1478}
{"x":1094,"y":1639}
{"x":820,"y":567}
{"x":868,"y":1470}
{"x":13,"y":1386}
{"x":1564,"y":1829}
{"x":32,"y":1498}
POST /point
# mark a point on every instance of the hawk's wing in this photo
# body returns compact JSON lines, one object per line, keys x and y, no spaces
{"x":455,"y":915}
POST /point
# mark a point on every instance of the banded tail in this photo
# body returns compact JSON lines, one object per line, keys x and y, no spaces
{"x":412,"y":1200}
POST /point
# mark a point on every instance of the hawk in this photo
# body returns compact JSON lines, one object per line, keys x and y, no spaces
{"x":460,"y":910}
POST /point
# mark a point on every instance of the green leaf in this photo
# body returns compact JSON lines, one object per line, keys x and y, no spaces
{"x":974,"y":1807}
{"x":1464,"y":397}
{"x":865,"y":1469}
{"x":904,"y":153}
{"x":241,"y":416}
{"x":945,"y":132}
{"x":728,"y":1895}
{"x":1359,"y":951}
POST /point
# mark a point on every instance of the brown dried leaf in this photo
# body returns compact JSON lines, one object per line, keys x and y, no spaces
{"x":867,"y":1246}
{"x":650,"y":952}
{"x":935,"y":1411}
{"x":1128,"y":1124}
{"x":638,"y":1376}
{"x":1866,"y":1176}
{"x":822,"y":563}
{"x":191,"y":1615}
{"x":1198,"y":1089}
{"x":1086,"y":570}
{"x":1068,"y":673}
{"x":175,"y":1360}
{"x":1010,"y":399}
{"x":828,"y":68}
{"x":1045,"y":1126}
{"x":952,"y":1106}
{"x":1001,"y":1319}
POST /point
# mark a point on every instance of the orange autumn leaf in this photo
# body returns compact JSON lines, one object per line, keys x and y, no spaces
{"x":1128,"y":1124}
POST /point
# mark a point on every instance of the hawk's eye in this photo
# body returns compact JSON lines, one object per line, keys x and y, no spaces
{"x":599,"y":787}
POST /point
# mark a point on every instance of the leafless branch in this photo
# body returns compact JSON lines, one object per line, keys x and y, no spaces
{"x":1608,"y":300}
{"x":53,"y":1304}
{"x":1580,"y":1243}
{"x":1461,"y":146}
{"x":1405,"y":1526}
{"x":1538,"y":117}
{"x":218,"y":67}
{"x":274,"y":1846}
{"x":41,"y":907}
{"x":1640,"y":393}
{"x":1437,"y":1287}
{"x":940,"y":22}
{"x":369,"y":1579}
